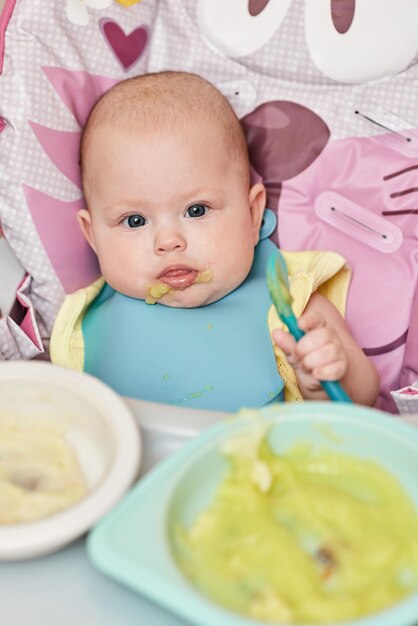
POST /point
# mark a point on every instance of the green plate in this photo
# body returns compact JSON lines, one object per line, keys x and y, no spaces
{"x":131,"y":543}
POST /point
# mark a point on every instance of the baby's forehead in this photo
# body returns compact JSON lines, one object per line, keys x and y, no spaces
{"x":157,"y":132}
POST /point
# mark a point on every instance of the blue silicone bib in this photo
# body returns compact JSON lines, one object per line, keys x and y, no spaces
{"x":219,"y":356}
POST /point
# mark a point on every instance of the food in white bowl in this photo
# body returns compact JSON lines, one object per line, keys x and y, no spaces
{"x":39,"y":471}
{"x":69,"y":449}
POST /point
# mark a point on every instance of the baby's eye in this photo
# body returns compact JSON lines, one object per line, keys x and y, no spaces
{"x":134,"y":221}
{"x":197,"y":210}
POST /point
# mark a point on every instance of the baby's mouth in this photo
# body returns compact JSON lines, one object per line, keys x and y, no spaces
{"x":178,"y":276}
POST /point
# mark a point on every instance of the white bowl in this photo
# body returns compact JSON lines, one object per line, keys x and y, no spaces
{"x":100,"y":428}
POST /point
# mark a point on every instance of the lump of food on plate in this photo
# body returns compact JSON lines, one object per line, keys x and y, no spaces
{"x":39,"y":472}
{"x":309,"y":536}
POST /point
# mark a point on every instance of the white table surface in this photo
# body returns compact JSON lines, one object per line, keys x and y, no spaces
{"x":64,"y":589}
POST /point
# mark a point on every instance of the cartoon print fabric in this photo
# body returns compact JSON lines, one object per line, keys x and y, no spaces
{"x":59,"y":57}
{"x":327,"y":91}
{"x":328,"y":96}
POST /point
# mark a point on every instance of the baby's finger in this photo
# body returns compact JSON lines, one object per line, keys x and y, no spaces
{"x":284,"y":340}
{"x":322,"y":355}
{"x":314,"y":340}
{"x":310,"y":320}
{"x":331,"y":371}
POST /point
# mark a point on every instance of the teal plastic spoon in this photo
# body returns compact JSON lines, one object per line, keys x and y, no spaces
{"x":278,"y":286}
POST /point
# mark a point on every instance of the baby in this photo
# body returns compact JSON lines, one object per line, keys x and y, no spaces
{"x":182,"y":314}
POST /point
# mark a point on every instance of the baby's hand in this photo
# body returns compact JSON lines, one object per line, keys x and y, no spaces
{"x":319,"y":355}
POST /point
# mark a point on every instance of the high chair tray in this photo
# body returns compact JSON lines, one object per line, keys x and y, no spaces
{"x":165,"y":428}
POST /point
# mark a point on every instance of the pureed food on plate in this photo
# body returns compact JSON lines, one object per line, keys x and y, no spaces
{"x":311,"y":536}
{"x":39,"y":471}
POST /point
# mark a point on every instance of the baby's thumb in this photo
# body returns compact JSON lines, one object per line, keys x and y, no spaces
{"x":285,"y":342}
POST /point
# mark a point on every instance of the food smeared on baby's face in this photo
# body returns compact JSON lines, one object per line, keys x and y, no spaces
{"x":310,"y":536}
{"x":205,"y":276}
{"x":39,"y":473}
{"x":176,"y":280}
{"x":157,"y":291}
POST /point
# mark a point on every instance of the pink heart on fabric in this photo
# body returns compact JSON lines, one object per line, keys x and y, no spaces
{"x":126,"y":48}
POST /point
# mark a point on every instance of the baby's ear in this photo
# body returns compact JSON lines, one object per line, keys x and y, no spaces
{"x":257,"y":202}
{"x":84,"y":221}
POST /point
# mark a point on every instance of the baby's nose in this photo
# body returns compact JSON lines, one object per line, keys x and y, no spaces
{"x":169,"y":240}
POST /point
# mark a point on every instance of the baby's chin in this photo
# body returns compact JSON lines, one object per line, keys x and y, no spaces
{"x":192,"y":297}
{"x":182,"y":300}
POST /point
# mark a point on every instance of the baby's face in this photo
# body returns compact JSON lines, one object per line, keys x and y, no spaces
{"x":170,"y":217}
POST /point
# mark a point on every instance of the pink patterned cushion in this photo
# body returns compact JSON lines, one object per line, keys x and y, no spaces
{"x":56,"y":58}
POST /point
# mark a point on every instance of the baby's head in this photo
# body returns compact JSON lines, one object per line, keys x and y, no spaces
{"x":171,"y":213}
